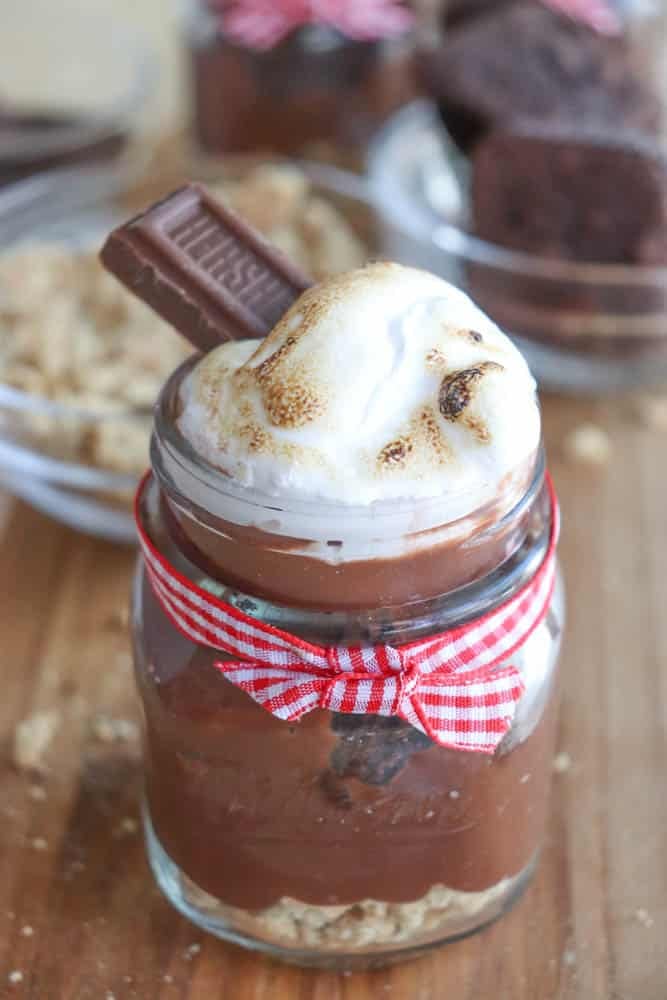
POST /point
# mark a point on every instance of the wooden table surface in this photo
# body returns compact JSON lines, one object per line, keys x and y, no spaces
{"x":79,"y":914}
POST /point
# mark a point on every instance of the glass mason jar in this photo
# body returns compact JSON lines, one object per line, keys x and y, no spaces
{"x":340,"y":840}
{"x":315,"y":92}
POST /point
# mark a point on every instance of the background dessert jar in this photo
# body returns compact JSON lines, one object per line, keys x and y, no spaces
{"x":348,"y":670}
{"x":284,"y":80}
{"x":543,"y":112}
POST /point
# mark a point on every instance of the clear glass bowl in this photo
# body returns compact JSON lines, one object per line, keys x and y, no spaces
{"x":582,"y":327}
{"x":81,"y":82}
{"x":38,"y":452}
{"x":39,"y":458}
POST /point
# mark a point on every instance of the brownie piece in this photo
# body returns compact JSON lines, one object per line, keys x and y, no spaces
{"x":525,"y":60}
{"x":373,"y":748}
{"x":559,"y":191}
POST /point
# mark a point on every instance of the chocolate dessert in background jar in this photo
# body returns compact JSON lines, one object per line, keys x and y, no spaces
{"x":348,"y":613}
{"x":296,"y":78}
{"x":512,"y":183}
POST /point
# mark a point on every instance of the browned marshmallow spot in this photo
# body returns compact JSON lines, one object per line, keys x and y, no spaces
{"x":291,"y":402}
{"x":257,"y":439}
{"x":419,"y":448}
{"x":436,"y":360}
{"x":267,"y":367}
{"x":430,"y":434}
{"x":395,"y":454}
{"x":458,"y":388}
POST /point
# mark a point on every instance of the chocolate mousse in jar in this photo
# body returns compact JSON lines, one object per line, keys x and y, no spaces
{"x":296,"y":78}
{"x":346,"y":625}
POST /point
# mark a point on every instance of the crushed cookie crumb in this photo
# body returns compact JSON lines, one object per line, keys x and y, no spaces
{"x":644,"y":918}
{"x":15,"y":977}
{"x":191,"y":952}
{"x":562,"y":762}
{"x":588,"y":444}
{"x":27,"y":931}
{"x":39,"y":844}
{"x":32,"y":737}
{"x":37,"y":793}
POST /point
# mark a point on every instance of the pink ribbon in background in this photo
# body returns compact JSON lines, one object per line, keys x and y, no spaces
{"x":597,"y":14}
{"x":457,"y":687}
{"x":261,"y":24}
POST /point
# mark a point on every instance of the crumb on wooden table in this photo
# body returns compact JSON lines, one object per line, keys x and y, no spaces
{"x":32,"y":737}
{"x":588,"y":444}
{"x":562,"y":762}
{"x":644,"y":917}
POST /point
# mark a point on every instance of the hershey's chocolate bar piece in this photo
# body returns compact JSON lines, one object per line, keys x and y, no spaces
{"x":202,"y":269}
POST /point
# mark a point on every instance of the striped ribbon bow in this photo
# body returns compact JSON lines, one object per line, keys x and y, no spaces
{"x":456,"y":687}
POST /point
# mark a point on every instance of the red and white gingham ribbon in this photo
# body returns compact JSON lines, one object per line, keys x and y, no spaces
{"x":597,"y":14}
{"x":261,"y":24}
{"x":456,"y":686}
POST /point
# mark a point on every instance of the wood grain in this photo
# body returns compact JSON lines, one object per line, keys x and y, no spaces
{"x":591,"y":927}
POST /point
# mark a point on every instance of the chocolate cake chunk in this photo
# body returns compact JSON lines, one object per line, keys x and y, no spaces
{"x":372,"y":748}
{"x":524,"y":60}
{"x":562,"y":192}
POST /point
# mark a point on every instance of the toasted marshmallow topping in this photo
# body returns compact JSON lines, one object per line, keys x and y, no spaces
{"x":380,"y":384}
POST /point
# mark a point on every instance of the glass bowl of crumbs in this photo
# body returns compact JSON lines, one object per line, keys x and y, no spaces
{"x":82,"y":361}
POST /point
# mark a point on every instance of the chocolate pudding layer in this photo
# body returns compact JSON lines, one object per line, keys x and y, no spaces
{"x":308,"y":574}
